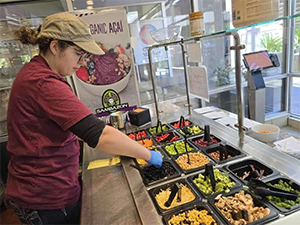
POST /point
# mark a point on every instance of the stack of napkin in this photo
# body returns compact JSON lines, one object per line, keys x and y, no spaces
{"x":289,"y":145}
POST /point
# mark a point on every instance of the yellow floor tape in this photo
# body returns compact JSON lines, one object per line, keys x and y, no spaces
{"x":104,"y":162}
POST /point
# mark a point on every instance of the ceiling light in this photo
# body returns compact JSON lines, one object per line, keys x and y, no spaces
{"x":89,"y":7}
{"x":90,"y":2}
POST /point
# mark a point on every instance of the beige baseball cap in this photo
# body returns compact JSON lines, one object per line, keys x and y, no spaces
{"x":68,"y":27}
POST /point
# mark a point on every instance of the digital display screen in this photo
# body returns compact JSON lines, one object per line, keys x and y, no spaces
{"x":258,"y":60}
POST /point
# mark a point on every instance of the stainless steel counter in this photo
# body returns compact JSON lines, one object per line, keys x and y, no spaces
{"x":117,"y":195}
{"x":106,"y":198}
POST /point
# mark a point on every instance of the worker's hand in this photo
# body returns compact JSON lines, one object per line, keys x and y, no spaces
{"x":156,"y":159}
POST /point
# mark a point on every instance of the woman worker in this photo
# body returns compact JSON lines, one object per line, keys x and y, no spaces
{"x":44,"y":120}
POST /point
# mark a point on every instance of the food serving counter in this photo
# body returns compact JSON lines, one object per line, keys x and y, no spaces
{"x":120,"y":195}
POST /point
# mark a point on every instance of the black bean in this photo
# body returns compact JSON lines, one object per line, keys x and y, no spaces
{"x":159,"y":173}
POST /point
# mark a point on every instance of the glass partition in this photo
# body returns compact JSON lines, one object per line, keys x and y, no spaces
{"x":13,"y":55}
{"x":167,"y":65}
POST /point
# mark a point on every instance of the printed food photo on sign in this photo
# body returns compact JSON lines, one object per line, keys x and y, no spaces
{"x":112,"y":73}
{"x":110,"y":68}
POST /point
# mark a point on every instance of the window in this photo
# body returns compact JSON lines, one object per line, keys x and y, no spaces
{"x":294,"y":107}
{"x":273,"y":96}
{"x":221,"y":69}
{"x":296,"y":61}
{"x":295,"y":100}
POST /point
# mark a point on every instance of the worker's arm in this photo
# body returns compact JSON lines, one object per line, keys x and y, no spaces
{"x":115,"y":142}
{"x":108,"y":139}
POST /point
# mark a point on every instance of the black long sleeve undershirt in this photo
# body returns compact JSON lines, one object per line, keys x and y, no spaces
{"x":89,"y":129}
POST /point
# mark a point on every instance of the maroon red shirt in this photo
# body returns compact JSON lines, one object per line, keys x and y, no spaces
{"x":43,"y":171}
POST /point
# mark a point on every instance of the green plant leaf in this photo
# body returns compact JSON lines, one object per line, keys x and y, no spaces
{"x":272,"y":44}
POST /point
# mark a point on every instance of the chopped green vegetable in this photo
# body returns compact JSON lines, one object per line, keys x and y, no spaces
{"x":159,"y":130}
{"x":180,"y":146}
{"x":282,"y":202}
{"x":193,"y":131}
{"x":223,"y":182}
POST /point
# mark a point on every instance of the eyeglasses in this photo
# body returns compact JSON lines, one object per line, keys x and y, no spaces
{"x":82,"y":54}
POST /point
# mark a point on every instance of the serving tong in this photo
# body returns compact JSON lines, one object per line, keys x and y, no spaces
{"x":143,"y":140}
{"x":262,"y":189}
{"x":186,"y":150}
{"x":158,"y":125}
{"x":176,"y":150}
{"x":181,"y":122}
{"x":210,"y":173}
{"x":171,"y":135}
{"x":207,"y":134}
{"x":186,"y":131}
{"x":175,"y":189}
{"x":223,"y":152}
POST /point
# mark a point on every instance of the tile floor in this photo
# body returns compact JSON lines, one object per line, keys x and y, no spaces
{"x":8,"y":216}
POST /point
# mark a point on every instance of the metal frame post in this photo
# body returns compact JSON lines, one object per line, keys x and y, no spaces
{"x":237,"y":47}
{"x":290,"y":9}
{"x":183,"y":52}
{"x":153,"y":84}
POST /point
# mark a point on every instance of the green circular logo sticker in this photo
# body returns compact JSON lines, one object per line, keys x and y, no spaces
{"x":110,"y":98}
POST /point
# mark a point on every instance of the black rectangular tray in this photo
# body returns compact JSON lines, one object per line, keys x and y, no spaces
{"x":167,"y":153}
{"x":154,"y":191}
{"x":172,"y":123}
{"x":198,"y":206}
{"x":232,"y":151}
{"x":159,"y":149}
{"x":179,"y":130}
{"x":295,"y":186}
{"x":232,"y":178}
{"x":170,"y":128}
{"x":242,"y":166}
{"x":135,"y":132}
{"x":164,"y":143}
{"x":191,"y":170}
{"x":257,"y":202}
{"x":194,"y":138}
{"x":148,"y":182}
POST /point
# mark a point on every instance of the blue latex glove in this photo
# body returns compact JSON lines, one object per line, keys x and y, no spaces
{"x":156,"y":159}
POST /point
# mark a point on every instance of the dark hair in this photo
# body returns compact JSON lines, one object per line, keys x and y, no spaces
{"x":29,"y":36}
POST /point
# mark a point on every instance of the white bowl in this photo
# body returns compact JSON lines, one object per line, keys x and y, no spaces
{"x":270,"y":136}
